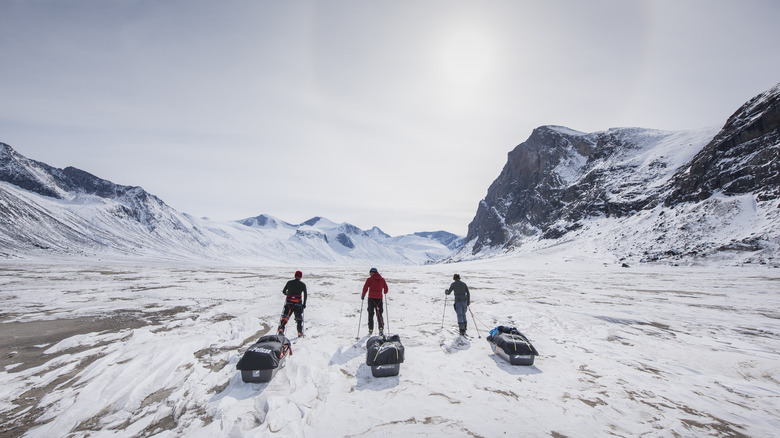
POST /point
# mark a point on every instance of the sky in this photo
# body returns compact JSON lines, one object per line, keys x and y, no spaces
{"x":397,"y":114}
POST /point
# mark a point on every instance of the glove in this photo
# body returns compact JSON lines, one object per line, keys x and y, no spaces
{"x":363,"y":297}
{"x":304,"y":306}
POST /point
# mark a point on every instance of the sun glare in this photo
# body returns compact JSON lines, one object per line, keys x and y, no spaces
{"x":466,"y":58}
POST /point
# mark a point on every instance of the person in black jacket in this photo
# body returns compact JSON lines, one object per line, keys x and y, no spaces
{"x":295,"y":290}
{"x":462,"y":301}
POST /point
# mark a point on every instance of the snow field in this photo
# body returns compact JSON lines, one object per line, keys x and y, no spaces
{"x":652,"y":350}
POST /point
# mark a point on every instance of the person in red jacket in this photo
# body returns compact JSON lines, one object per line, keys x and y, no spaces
{"x":375,"y":285}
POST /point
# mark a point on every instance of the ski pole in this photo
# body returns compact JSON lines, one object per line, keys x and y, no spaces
{"x":475,"y":321}
{"x":360,"y":319}
{"x":444,"y":311}
{"x":303,"y":320}
{"x":387,"y":308}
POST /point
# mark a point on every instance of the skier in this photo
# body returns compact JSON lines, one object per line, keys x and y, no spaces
{"x":295,"y":290}
{"x":462,"y":300}
{"x":375,"y":285}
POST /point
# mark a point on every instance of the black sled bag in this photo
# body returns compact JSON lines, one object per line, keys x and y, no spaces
{"x":384,"y":355}
{"x":511,"y":345}
{"x":264,"y":358}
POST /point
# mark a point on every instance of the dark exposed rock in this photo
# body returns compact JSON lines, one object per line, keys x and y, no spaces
{"x":559,"y":177}
{"x":743,"y":158}
{"x":351,"y":229}
{"x":345,"y":240}
{"x":49,"y":181}
{"x":311,"y":234}
{"x":313,"y":221}
{"x":20,"y":171}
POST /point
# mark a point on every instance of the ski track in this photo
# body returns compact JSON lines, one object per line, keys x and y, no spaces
{"x":626,"y":352}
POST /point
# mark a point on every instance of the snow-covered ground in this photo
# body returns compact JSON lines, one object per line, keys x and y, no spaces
{"x":129,"y":350}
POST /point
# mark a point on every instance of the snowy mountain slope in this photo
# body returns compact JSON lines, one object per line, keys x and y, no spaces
{"x":744,"y":157}
{"x":88,"y":225}
{"x":374,"y":244}
{"x":641,"y":194}
{"x":331,"y":241}
{"x":47,"y":212}
{"x":422,"y":247}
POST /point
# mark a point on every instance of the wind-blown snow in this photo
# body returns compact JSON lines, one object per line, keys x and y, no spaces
{"x":655,"y":350}
{"x":662,"y":153}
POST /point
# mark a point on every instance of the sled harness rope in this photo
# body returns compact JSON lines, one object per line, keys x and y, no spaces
{"x":518,"y":337}
{"x":286,"y":318}
{"x":475,"y":322}
{"x":387,"y":309}
{"x":380,"y":320}
{"x":382,"y":346}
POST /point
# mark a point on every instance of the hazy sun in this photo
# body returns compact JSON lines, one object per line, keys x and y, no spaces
{"x":466,"y":57}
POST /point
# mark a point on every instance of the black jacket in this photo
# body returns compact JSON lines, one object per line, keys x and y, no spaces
{"x":461,"y":291}
{"x":295,"y":290}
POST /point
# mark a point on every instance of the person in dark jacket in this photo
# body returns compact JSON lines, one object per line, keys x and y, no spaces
{"x":462,"y":301}
{"x":295,"y":291}
{"x":375,"y":286}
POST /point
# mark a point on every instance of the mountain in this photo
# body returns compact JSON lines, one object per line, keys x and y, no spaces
{"x":45,"y":212}
{"x":69,"y":211}
{"x":630,"y":194}
{"x":741,"y":159}
{"x":422,"y":247}
{"x":330,"y":239}
{"x":641,"y":194}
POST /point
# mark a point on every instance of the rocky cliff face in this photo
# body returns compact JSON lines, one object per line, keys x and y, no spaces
{"x":559,"y":177}
{"x":744,"y":157}
{"x":558,"y":180}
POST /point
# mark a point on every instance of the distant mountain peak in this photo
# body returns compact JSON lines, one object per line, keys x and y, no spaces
{"x":446,"y":238}
{"x":263,"y":221}
{"x":313,"y":221}
{"x":377,"y":232}
{"x":320,"y":222}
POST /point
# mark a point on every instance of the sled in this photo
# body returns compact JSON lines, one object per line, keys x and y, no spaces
{"x":264,"y":358}
{"x":384,"y":354}
{"x":512,"y":346}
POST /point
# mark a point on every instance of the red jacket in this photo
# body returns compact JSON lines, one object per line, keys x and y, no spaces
{"x":375,"y":285}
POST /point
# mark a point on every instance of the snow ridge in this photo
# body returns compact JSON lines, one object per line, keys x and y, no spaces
{"x":47,"y":212}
